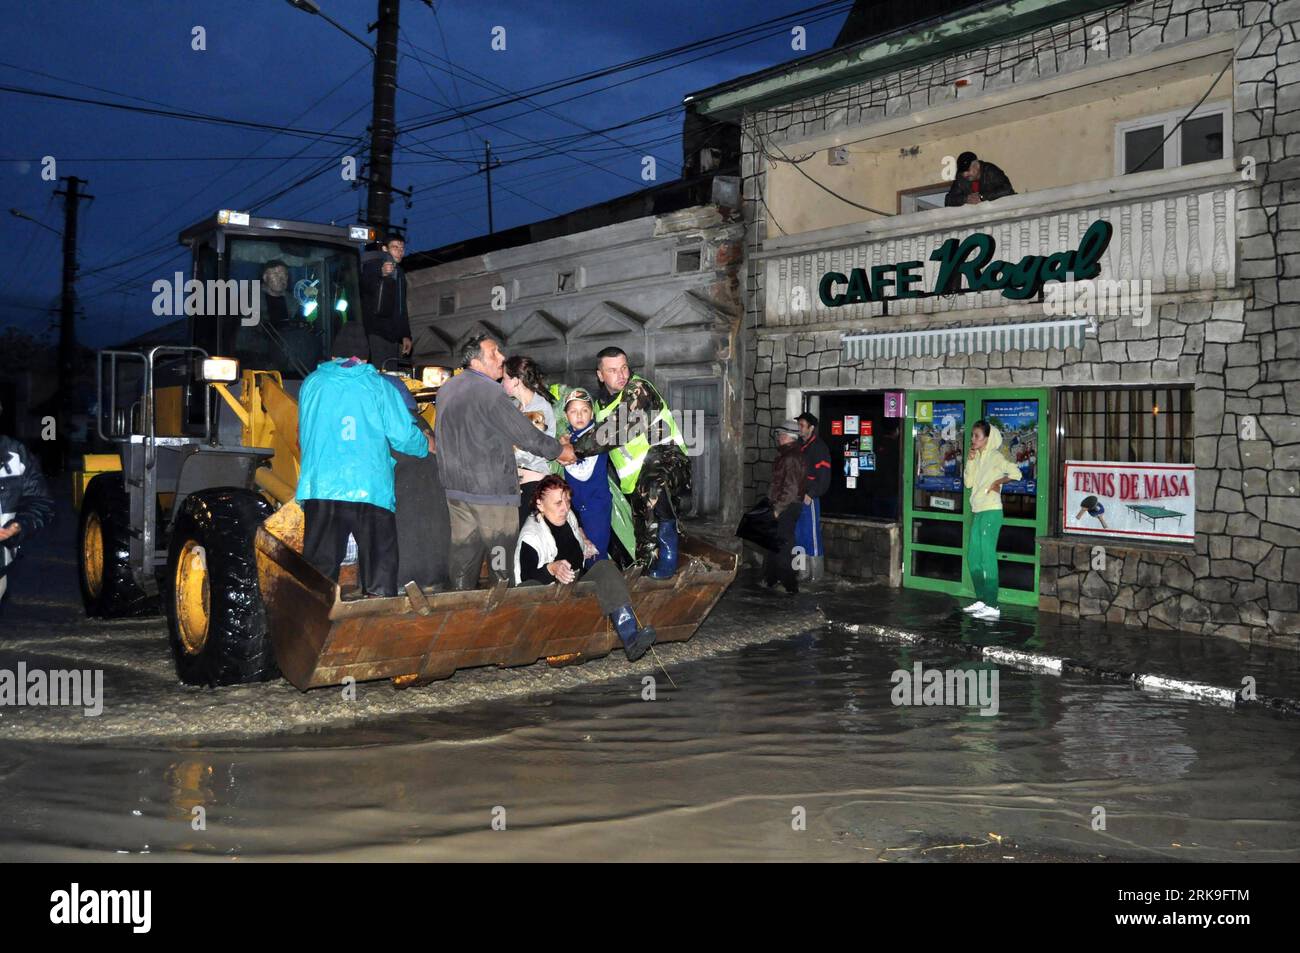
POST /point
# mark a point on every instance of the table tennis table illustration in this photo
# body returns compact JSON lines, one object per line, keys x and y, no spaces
{"x":1154,"y":513}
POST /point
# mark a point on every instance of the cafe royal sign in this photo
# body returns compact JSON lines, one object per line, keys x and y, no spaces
{"x":970,"y":260}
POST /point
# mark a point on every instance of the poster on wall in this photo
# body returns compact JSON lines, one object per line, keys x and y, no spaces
{"x":837,"y":428}
{"x":1017,"y":420}
{"x":851,"y":425}
{"x":867,"y":461}
{"x":1131,"y":500}
{"x":893,"y":403}
{"x":938,"y":446}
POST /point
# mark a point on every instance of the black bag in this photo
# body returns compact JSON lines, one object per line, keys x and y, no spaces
{"x":758,"y":526}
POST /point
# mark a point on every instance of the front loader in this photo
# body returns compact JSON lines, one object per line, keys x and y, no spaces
{"x":205,"y":451}
{"x":195,"y":510}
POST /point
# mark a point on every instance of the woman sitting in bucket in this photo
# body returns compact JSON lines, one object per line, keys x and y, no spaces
{"x":552,"y":549}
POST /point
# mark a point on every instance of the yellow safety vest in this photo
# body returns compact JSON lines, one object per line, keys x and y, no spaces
{"x":628,"y":458}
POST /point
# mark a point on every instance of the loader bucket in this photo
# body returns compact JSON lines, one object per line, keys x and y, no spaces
{"x":321,"y":639}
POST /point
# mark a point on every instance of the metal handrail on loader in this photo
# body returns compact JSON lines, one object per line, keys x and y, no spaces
{"x":148,"y":360}
{"x":140,"y":471}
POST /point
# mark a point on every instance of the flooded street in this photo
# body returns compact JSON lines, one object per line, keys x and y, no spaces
{"x":779,"y":741}
{"x":715,"y":769}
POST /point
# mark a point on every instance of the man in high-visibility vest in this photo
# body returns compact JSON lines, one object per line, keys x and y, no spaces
{"x":646,"y":449}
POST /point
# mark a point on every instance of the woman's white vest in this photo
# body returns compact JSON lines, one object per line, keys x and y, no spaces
{"x":537,"y":534}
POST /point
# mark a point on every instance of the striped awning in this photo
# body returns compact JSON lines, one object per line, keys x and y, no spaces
{"x":1038,"y":336}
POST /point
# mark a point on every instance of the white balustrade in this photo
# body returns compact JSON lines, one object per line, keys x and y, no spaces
{"x":1173,"y":227}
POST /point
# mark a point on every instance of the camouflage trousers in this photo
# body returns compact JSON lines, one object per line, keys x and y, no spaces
{"x":662,"y":492}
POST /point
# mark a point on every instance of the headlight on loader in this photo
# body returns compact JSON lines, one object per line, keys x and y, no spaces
{"x":431,"y":376}
{"x":219,"y":370}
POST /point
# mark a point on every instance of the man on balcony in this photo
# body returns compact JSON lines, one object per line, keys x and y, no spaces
{"x":977,"y":182}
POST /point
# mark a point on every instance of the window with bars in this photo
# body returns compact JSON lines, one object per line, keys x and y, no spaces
{"x":1135,"y":425}
{"x":1123,"y":425}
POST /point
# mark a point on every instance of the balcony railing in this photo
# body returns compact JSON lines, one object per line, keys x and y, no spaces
{"x":1174,"y":227}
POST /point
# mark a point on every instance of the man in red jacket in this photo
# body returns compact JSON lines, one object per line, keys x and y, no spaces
{"x":817,"y":466}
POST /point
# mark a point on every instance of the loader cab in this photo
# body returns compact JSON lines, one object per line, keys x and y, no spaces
{"x":272,"y":293}
{"x":269,"y":293}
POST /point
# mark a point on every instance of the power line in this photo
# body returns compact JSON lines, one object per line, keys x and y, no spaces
{"x":485,"y":83}
{"x":549,"y":184}
{"x":762,"y":147}
{"x":820,"y":9}
{"x":166,"y":113}
{"x":625,"y":82}
{"x":827,"y":104}
{"x":458,"y":100}
{"x":549,"y":151}
{"x":98,"y":89}
{"x":163,"y":158}
{"x":168,"y":243}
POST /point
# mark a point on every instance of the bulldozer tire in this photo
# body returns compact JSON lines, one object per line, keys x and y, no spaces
{"x":108,"y":589}
{"x":216,"y":622}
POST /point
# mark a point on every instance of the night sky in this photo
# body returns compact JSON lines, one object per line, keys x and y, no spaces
{"x":266,"y":62}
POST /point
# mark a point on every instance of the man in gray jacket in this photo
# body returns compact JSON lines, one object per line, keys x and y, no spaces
{"x":476,"y":430}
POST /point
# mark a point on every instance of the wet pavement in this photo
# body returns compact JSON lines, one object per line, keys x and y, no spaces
{"x":1087,"y":648}
{"x":777,"y":738}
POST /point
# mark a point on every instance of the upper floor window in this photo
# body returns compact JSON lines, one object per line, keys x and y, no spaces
{"x":1152,"y":142}
{"x":922,"y":199}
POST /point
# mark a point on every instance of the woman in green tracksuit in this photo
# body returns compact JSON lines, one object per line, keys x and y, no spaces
{"x":987,"y":469}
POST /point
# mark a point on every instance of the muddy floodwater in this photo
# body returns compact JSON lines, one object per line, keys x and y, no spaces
{"x":785,"y":750}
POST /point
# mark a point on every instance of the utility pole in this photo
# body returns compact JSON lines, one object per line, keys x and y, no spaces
{"x":383,"y":121}
{"x":383,"y":115}
{"x":72,"y":197}
{"x":488,"y":163}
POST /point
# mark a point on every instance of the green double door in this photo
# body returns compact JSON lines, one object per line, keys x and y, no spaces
{"x":936,"y":508}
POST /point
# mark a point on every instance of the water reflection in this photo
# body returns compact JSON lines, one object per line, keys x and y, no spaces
{"x":713,"y":768}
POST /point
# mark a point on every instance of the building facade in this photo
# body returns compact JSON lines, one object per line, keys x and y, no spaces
{"x":1151,"y":401}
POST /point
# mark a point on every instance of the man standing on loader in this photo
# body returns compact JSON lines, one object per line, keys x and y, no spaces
{"x":637,"y":429}
{"x":348,"y":419}
{"x":477,"y":428}
{"x":383,"y":302}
